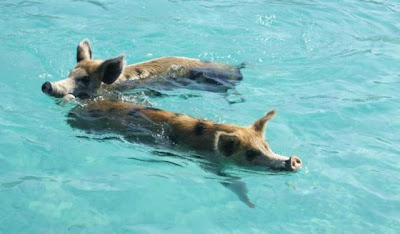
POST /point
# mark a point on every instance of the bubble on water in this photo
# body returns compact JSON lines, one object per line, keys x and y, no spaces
{"x":266,"y":20}
{"x":45,"y":76}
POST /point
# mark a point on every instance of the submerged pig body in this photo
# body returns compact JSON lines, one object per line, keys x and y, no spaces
{"x":89,"y":76}
{"x":240,"y":145}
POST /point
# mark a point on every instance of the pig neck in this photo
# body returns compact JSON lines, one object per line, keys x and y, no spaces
{"x":198,"y":134}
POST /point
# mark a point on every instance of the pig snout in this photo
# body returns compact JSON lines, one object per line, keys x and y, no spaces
{"x":293,"y":163}
{"x":47,"y":88}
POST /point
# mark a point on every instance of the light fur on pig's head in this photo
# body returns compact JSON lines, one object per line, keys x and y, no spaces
{"x":87,"y":76}
{"x":247,"y":146}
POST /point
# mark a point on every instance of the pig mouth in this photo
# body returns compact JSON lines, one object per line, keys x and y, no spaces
{"x":55,"y":94}
{"x":292,"y":164}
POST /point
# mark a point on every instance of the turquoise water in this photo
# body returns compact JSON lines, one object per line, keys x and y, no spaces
{"x":331,"y":69}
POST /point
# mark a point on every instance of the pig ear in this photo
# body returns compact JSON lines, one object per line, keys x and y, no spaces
{"x":83,"y":51}
{"x":260,"y":124}
{"x":226,"y":143}
{"x":111,"y":69}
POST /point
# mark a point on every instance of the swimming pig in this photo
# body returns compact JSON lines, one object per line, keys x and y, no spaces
{"x":226,"y":142}
{"x":90,"y":75}
{"x":219,"y":143}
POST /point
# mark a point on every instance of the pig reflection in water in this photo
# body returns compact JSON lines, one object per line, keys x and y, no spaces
{"x":222,"y":143}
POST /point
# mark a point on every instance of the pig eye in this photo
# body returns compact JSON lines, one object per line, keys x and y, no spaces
{"x":251,"y":155}
{"x":85,"y":80}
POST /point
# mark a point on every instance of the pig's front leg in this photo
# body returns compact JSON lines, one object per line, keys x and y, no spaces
{"x":233,"y":183}
{"x":240,"y":189}
{"x":67,"y":99}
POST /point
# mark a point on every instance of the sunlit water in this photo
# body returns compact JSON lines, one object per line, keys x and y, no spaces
{"x":330,"y":68}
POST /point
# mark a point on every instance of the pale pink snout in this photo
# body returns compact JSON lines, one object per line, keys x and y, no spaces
{"x":294,"y":163}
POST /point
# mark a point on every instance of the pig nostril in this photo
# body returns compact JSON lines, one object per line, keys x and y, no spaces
{"x":293,"y":163}
{"x":46,"y":87}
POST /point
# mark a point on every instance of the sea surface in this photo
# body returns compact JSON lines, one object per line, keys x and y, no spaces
{"x":330,"y":68}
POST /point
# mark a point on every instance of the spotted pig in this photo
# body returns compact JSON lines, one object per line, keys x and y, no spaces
{"x":89,"y":75}
{"x":225,"y":142}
